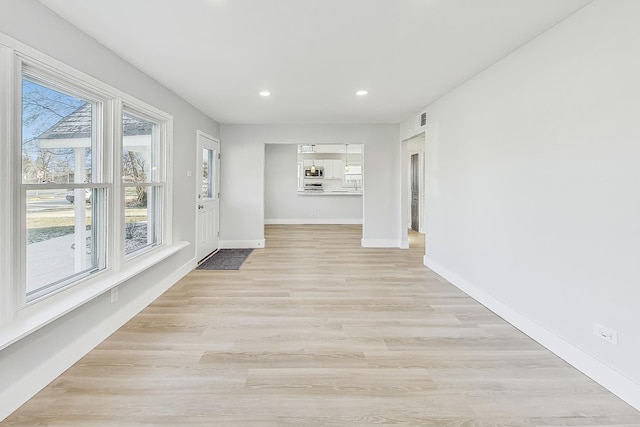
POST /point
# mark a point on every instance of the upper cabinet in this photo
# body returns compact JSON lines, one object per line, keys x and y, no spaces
{"x":311,"y":162}
{"x":333,"y":169}
{"x":354,"y":170}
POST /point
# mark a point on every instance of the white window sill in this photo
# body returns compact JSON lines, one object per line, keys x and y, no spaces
{"x":46,"y":311}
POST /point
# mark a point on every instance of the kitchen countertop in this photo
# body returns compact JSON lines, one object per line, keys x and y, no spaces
{"x":331,"y":193}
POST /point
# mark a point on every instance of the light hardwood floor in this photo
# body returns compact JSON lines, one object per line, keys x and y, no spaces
{"x":315,"y":330}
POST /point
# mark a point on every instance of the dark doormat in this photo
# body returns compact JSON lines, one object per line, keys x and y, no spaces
{"x":226,"y":259}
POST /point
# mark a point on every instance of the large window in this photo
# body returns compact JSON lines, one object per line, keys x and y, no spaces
{"x":84,"y":197}
{"x":62,"y":190}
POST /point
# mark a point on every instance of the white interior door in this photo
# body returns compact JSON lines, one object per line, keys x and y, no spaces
{"x":208,"y":199}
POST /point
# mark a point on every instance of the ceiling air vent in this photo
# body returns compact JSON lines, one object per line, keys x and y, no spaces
{"x":421,"y":120}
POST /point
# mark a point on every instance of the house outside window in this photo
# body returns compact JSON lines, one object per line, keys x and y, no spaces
{"x":142,"y":182}
{"x":63,"y":192}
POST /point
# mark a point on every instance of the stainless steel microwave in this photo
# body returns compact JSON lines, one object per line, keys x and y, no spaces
{"x":317,"y":173}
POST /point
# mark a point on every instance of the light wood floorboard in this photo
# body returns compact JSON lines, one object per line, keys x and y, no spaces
{"x":315,"y":330}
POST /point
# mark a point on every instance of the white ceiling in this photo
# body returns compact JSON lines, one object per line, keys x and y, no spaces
{"x":312,"y":54}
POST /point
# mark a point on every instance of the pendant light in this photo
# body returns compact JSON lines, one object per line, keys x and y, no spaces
{"x":346,"y":157}
{"x":313,"y":161}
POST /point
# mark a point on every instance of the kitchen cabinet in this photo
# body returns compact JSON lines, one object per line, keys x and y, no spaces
{"x":353,"y":177}
{"x":310,"y":162}
{"x":354,"y":169}
{"x":333,"y":169}
{"x":328,"y":169}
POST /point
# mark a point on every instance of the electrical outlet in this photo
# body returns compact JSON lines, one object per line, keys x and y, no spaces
{"x":114,"y":294}
{"x":605,"y":333}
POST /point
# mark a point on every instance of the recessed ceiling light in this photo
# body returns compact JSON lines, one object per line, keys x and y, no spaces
{"x":265,"y":93}
{"x":362,"y":92}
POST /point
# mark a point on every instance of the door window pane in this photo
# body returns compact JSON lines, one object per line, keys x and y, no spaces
{"x":212,"y":174}
{"x":208,"y":169}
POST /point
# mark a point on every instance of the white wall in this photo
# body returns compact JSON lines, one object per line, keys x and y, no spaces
{"x":283,"y":205}
{"x":243,"y":184}
{"x":30,"y":363}
{"x":532,"y":189}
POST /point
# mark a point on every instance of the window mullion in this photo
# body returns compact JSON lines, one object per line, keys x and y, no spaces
{"x":19,"y":275}
{"x":107,"y":176}
{"x":166,"y":153}
{"x":116,"y":223}
{"x":101,"y":202}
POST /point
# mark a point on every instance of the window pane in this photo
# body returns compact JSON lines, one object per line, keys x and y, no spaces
{"x":56,"y":136}
{"x":212,"y":172}
{"x":58,"y":147}
{"x":141,"y":217}
{"x":61,"y":238}
{"x":139,"y":162}
{"x":207,"y":171}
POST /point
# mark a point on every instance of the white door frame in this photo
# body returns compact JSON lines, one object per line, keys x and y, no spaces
{"x":405,"y":186}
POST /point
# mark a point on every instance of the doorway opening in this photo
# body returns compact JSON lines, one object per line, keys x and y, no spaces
{"x":414,"y":178}
{"x":414,"y":189}
{"x":313,"y":184}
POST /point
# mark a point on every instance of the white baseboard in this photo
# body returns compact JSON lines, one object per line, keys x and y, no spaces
{"x":16,"y":395}
{"x":404,"y":244}
{"x":617,"y":383}
{"x":299,"y":221}
{"x":241,"y":244}
{"x":380,"y":243}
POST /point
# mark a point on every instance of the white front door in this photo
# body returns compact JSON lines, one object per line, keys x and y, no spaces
{"x":208,"y":202}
